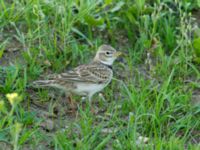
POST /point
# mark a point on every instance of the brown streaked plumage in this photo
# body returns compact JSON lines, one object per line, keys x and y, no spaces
{"x":88,"y":79}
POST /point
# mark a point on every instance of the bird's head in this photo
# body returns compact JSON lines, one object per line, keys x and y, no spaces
{"x":106,"y":55}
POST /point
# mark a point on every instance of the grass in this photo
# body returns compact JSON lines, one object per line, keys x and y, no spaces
{"x":155,"y":91}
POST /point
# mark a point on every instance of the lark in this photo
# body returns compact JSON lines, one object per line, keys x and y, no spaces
{"x":88,"y":79}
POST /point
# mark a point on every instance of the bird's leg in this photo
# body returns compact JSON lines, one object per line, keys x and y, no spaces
{"x":83,"y":98}
{"x":72,"y":104}
{"x":83,"y":102}
{"x":90,"y":100}
{"x":102,"y":97}
{"x":102,"y":100}
{"x":92,"y":109}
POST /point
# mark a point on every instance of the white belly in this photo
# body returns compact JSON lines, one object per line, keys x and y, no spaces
{"x":88,"y":89}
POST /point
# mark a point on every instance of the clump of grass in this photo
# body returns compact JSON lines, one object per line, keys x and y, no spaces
{"x":160,"y":73}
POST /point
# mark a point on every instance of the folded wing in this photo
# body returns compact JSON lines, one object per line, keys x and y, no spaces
{"x":85,"y":73}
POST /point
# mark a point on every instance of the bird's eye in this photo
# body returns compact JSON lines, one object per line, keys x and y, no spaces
{"x":108,"y":53}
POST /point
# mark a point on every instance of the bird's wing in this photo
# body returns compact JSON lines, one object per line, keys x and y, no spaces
{"x":85,"y":73}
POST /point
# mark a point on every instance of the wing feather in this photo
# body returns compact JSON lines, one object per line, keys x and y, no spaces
{"x":86,"y":73}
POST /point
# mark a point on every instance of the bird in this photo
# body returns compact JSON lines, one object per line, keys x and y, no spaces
{"x":87,"y":79}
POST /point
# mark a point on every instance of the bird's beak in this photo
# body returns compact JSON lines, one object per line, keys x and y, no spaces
{"x":117,"y":54}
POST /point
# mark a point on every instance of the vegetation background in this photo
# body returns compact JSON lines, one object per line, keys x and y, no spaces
{"x":155,"y":93}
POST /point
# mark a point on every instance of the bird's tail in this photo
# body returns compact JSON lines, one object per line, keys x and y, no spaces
{"x":43,"y":83}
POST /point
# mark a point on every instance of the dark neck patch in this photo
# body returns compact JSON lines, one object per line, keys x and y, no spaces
{"x":109,"y":66}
